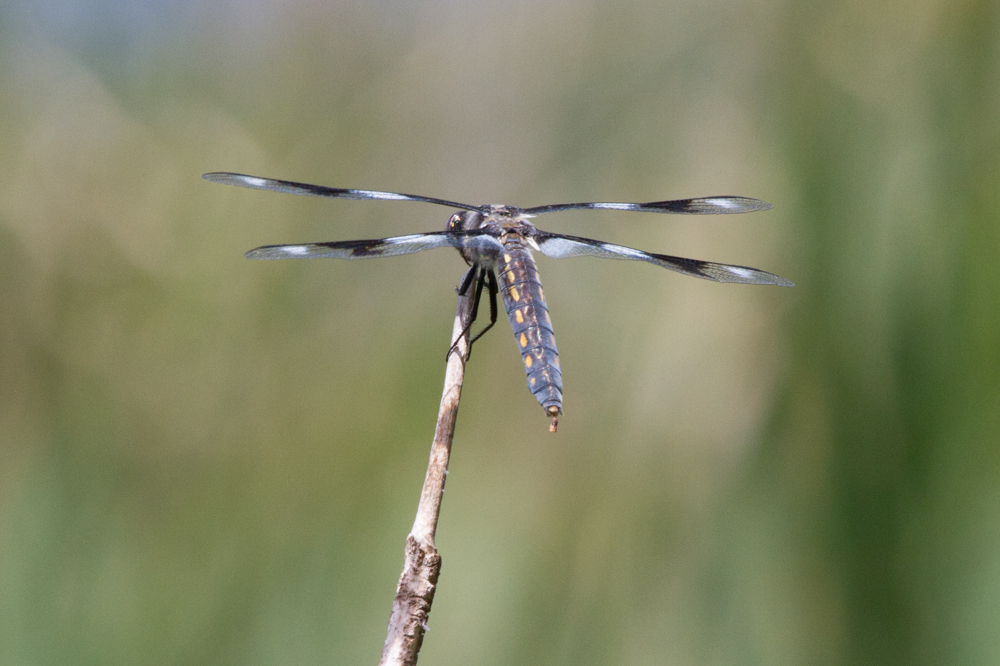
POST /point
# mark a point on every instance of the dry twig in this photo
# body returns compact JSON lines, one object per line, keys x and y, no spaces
{"x":422,"y":564}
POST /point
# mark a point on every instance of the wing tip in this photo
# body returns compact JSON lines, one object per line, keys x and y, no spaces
{"x":241,"y":180}
{"x":219,"y":176}
{"x":730,"y":204}
{"x":270,"y":252}
{"x":740,"y":275}
{"x":770,"y":279}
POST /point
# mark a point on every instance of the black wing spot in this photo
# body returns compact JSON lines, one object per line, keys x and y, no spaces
{"x":359,"y":248}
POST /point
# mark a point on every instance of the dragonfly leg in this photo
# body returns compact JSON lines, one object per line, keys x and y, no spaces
{"x":463,"y":290}
{"x":491,"y":282}
{"x":467,"y":279}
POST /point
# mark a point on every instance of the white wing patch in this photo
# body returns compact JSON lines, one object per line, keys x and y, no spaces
{"x":740,"y":271}
{"x":388,"y":196}
{"x":615,"y":206}
{"x":559,"y":248}
{"x":406,"y":239}
{"x":625,"y":251}
{"x":722,"y":202}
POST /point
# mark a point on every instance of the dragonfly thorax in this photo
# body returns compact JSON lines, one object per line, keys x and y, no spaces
{"x":500,"y":210}
{"x":496,"y":216}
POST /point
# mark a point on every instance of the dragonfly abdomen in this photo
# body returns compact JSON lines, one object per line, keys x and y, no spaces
{"x":529,"y":318}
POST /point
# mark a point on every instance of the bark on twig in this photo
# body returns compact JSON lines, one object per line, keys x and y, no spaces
{"x":422,"y":564}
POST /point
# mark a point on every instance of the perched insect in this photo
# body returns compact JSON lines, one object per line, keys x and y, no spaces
{"x":496,"y":243}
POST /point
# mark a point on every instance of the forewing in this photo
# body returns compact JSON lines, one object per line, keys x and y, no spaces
{"x":559,"y":246}
{"x":382,"y":247}
{"x":291,"y":187}
{"x":700,"y":206}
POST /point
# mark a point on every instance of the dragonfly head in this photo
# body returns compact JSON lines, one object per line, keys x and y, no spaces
{"x":465,"y":220}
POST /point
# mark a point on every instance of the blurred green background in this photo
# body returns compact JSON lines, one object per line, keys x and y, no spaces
{"x":206,"y":460}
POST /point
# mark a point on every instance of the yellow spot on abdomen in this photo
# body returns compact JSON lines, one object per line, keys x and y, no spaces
{"x":506,"y":258}
{"x":541,"y":295}
{"x":528,"y":361}
{"x":513,"y":294}
{"x":532,"y":381}
{"x":510,"y":276}
{"x":524,"y":340}
{"x":518,"y":316}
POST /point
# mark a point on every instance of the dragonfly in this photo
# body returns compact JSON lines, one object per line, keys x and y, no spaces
{"x":497,"y":242}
